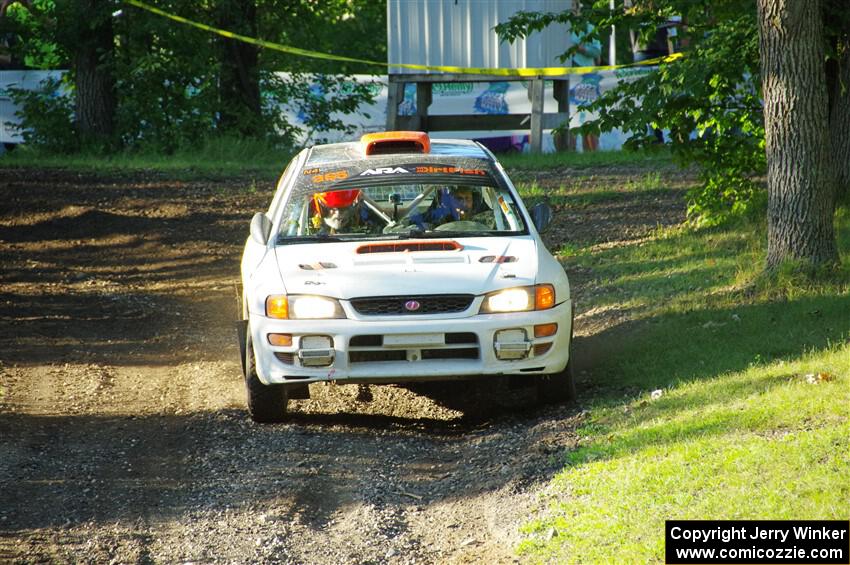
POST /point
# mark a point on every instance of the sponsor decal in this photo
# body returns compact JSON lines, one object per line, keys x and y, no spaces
{"x":313,"y":171}
{"x":452,"y":88}
{"x":384,"y":171}
{"x":407,"y":107}
{"x":587,"y":90}
{"x":492,"y":101}
{"x":424,"y":170}
{"x":330,"y":176}
{"x":436,"y":170}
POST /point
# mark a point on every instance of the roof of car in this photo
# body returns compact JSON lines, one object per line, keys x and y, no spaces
{"x":353,"y":151}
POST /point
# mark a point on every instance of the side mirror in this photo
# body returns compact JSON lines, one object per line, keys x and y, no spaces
{"x":541,"y":215}
{"x":261,"y":227}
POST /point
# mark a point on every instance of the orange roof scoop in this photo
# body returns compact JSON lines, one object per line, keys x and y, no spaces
{"x":389,"y":142}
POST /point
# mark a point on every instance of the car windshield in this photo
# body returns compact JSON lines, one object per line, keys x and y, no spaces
{"x":409,"y":210}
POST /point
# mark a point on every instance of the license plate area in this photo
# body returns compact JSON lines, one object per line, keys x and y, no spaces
{"x":414,"y":340}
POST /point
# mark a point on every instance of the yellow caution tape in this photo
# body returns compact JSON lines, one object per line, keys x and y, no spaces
{"x":524,"y":72}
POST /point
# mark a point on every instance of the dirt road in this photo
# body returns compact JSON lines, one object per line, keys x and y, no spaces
{"x":123,"y":436}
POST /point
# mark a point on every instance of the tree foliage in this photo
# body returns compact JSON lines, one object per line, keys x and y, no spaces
{"x":711,"y":102}
{"x":708,"y":100}
{"x":177,"y":85}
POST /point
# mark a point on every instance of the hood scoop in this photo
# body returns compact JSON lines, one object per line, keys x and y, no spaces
{"x":408,"y":246}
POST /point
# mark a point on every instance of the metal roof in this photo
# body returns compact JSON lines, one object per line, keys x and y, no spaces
{"x":460,"y":33}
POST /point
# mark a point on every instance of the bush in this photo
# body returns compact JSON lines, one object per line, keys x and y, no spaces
{"x":47,"y":116}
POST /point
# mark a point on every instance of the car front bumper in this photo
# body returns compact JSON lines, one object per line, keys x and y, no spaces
{"x":412,"y":349}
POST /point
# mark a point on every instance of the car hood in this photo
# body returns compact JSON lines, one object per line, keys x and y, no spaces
{"x":344,"y":270}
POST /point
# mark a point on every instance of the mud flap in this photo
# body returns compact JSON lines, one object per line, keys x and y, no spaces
{"x":242,"y":336}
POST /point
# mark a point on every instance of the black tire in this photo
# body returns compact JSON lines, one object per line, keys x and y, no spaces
{"x":557,"y":387}
{"x":266,"y":403}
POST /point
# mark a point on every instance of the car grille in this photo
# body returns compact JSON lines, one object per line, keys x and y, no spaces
{"x":370,"y":349}
{"x":428,"y":304}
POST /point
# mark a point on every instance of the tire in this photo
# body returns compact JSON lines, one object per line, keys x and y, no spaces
{"x":266,"y":403}
{"x":557,"y":388}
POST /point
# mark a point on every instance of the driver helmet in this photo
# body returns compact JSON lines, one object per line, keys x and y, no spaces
{"x":333,"y":207}
{"x":336,"y":198}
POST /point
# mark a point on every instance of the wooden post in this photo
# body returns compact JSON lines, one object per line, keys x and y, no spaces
{"x":564,"y":140}
{"x":395,"y":94}
{"x":423,"y":100}
{"x":536,"y":95}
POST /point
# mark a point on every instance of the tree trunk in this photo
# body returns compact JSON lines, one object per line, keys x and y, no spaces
{"x":94,"y":80}
{"x":800,"y":171}
{"x":839,"y":117}
{"x":239,"y":79}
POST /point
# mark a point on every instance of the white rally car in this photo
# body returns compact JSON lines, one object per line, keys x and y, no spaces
{"x":399,"y":259}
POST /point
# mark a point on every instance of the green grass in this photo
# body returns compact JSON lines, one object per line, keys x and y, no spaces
{"x":738,"y":431}
{"x":587,"y":190}
{"x":218,"y":157}
{"x":235,"y":156}
{"x":595,"y":159}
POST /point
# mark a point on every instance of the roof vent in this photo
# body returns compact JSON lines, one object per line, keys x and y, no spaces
{"x":388,"y":142}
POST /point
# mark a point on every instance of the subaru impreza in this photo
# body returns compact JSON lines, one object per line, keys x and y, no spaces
{"x":399,"y":259}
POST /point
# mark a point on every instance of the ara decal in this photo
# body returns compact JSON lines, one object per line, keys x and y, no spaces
{"x":384,"y":171}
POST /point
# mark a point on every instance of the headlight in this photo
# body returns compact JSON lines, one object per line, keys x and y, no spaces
{"x":302,"y":307}
{"x":520,"y":299}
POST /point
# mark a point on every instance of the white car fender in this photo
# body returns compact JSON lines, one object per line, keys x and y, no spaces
{"x":261,"y":281}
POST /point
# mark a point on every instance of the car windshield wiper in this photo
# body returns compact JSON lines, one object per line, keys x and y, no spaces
{"x":419,"y":234}
{"x":463,"y":233}
{"x":317,"y":238}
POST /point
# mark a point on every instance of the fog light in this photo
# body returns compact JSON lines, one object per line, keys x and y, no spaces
{"x":545,"y":330}
{"x":281,"y":340}
{"x":541,"y":348}
{"x":316,"y":351}
{"x":316,"y":342}
{"x":511,"y":344}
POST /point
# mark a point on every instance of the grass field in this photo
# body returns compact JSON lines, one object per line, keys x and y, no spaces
{"x":597,"y":159}
{"x":237,"y":157}
{"x":726,"y":396}
{"x":221,"y":158}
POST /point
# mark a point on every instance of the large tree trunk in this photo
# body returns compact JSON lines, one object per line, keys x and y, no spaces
{"x":239,"y":80}
{"x":800,"y":171}
{"x":94,"y":79}
{"x":839,"y":116}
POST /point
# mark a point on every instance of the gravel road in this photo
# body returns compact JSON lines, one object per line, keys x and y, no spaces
{"x":123,"y":435}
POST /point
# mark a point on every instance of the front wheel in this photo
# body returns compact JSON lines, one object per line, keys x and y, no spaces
{"x":557,"y":387}
{"x":266,"y":403}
